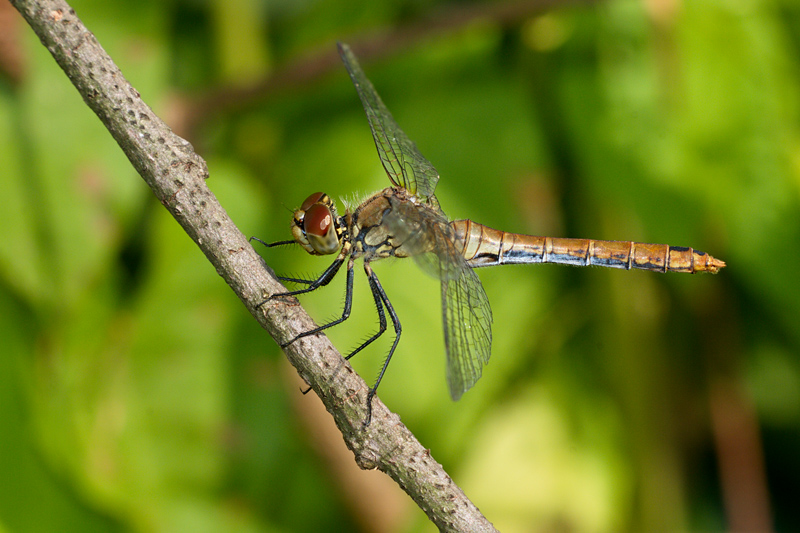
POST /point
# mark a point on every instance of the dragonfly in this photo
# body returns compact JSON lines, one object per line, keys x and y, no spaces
{"x":406,"y":220}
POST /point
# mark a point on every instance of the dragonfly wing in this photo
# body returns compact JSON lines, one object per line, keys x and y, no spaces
{"x":467,"y":329}
{"x":404,"y":164}
{"x":466,"y":312}
{"x":423,"y":232}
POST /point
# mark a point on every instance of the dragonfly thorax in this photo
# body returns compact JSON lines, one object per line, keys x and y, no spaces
{"x":316,"y":226}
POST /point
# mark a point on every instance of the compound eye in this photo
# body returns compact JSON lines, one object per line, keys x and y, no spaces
{"x":311,"y":200}
{"x":318,"y":219}
{"x":319,"y":228}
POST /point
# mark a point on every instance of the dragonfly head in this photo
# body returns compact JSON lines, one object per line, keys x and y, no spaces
{"x":316,"y":226}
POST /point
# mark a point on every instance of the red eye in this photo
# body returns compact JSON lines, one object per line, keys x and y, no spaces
{"x":318,"y":220}
{"x":311,"y":200}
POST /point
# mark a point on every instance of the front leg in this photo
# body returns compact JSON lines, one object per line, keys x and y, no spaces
{"x":313,"y":285}
{"x":348,"y":298}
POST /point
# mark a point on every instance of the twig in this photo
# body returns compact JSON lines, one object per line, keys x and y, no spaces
{"x":176,"y":174}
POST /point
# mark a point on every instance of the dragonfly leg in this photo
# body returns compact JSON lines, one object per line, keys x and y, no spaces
{"x":381,"y":317}
{"x":282,"y":278}
{"x":313,"y":285}
{"x":348,"y":301}
{"x":379,"y":294}
{"x":271,"y":244}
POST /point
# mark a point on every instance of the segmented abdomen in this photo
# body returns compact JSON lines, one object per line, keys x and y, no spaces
{"x":484,"y":246}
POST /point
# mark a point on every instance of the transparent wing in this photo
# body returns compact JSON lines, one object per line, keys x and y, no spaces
{"x":404,"y":164}
{"x":423,"y":233}
{"x":467,"y":329}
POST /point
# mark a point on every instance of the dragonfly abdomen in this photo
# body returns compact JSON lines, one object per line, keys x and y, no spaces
{"x":484,"y":246}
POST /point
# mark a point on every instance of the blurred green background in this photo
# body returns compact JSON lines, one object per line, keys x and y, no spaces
{"x":137,"y":393}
